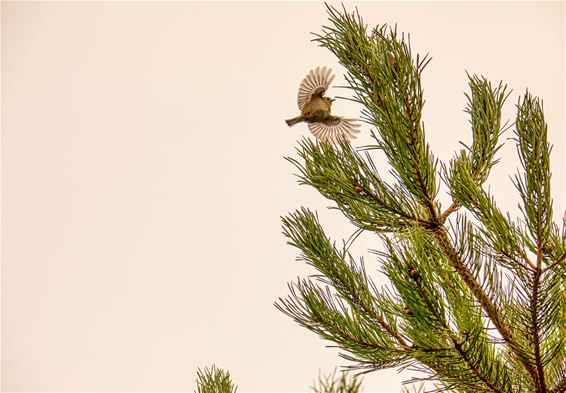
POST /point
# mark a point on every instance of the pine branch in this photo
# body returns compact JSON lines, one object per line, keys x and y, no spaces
{"x":214,"y":380}
{"x":484,"y":107}
{"x":451,"y":209}
{"x":305,"y":232}
{"x":386,"y":80}
{"x":344,"y":175}
{"x":337,"y":384}
{"x":503,"y":236}
{"x":534,"y":184}
{"x":414,"y":262}
{"x":477,"y":372}
{"x":315,"y":309}
{"x":491,"y":310}
{"x":534,"y":188}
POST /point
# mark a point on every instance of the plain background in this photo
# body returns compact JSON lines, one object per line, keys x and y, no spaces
{"x":143,"y":178}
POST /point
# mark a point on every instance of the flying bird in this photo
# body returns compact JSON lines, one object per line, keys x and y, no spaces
{"x":315,"y":109}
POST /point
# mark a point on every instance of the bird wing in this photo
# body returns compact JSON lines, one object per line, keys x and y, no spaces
{"x":315,"y":83}
{"x":335,"y":129}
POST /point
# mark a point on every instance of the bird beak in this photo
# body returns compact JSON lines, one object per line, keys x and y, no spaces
{"x":332,"y":99}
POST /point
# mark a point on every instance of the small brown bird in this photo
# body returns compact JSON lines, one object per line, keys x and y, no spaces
{"x":315,"y":109}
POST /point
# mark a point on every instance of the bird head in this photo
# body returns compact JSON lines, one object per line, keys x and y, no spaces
{"x":328,"y":100}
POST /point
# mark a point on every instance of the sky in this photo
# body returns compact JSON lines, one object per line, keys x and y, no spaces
{"x":143,"y":177}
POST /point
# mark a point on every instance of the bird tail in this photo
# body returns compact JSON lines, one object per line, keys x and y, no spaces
{"x":293,"y":121}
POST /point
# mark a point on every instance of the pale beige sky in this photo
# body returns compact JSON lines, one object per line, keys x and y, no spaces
{"x":143,"y":178}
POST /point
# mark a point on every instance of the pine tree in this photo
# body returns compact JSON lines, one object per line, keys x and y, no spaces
{"x":477,"y":298}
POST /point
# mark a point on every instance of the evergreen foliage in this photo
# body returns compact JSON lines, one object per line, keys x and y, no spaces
{"x":214,"y":380}
{"x":477,"y":299}
{"x":341,"y":383}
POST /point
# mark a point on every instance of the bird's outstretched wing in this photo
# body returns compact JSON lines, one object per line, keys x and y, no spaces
{"x":335,"y":129}
{"x":316,"y":82}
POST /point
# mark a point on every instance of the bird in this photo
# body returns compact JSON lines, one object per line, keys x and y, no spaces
{"x":315,"y":109}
